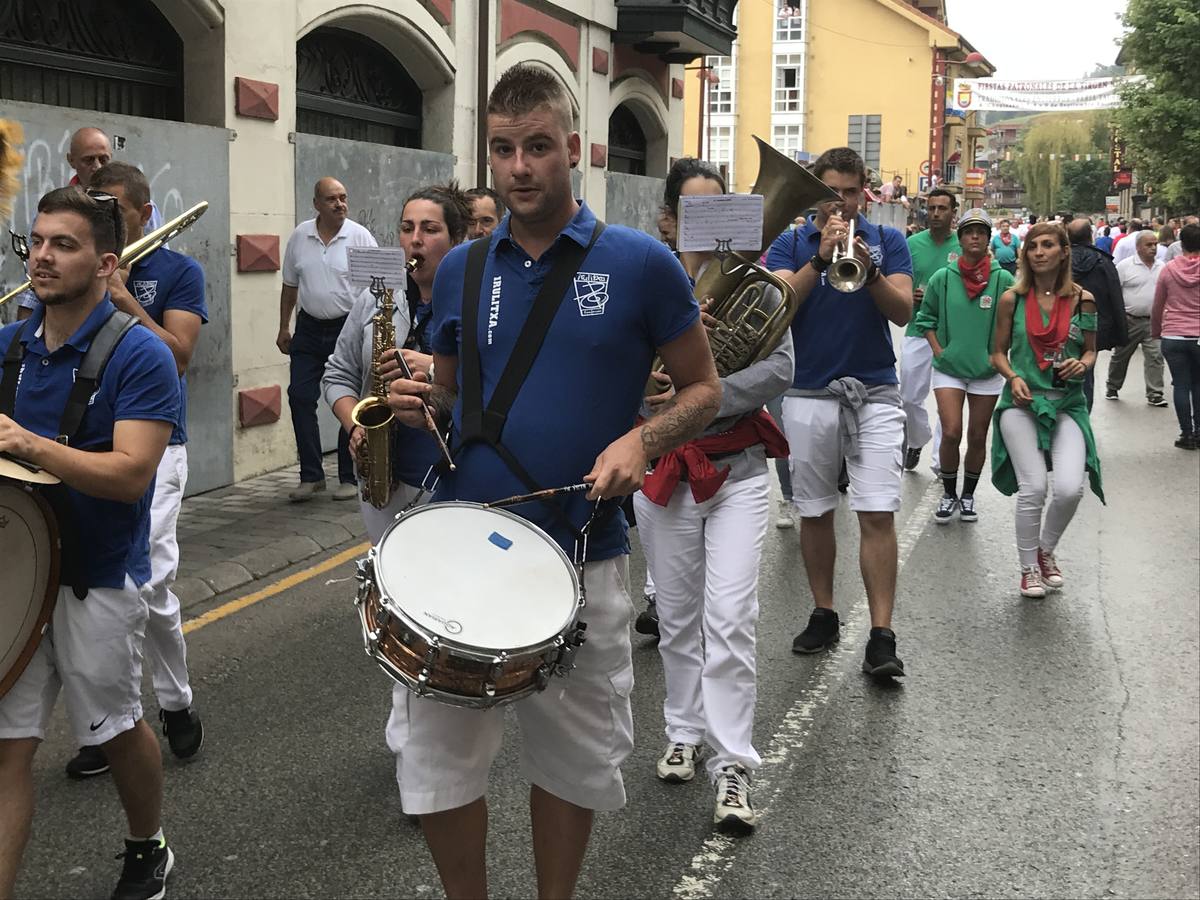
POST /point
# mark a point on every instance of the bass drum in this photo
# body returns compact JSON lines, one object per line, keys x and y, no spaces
{"x":30,"y":550}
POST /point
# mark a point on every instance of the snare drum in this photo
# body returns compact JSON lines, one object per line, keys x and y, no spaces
{"x":469,"y":606}
{"x":30,"y":551}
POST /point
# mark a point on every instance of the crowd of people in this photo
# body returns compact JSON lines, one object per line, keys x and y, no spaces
{"x":1003,"y":324}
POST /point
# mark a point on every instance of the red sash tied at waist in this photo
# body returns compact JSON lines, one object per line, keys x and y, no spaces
{"x":692,"y":459}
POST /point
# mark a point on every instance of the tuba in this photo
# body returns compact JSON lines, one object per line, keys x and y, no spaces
{"x":752,"y":319}
{"x":372,"y":414}
{"x":143,"y":246}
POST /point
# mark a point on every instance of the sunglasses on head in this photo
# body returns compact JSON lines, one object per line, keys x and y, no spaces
{"x":101,"y":197}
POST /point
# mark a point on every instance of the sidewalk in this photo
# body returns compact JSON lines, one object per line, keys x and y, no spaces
{"x":245,"y":531}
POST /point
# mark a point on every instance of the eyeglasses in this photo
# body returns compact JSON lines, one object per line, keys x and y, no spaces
{"x":101,"y":197}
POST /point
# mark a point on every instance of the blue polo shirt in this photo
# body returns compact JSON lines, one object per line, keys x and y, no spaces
{"x":140,"y":382}
{"x":167,"y":280}
{"x":841,"y":335}
{"x":630,"y":297}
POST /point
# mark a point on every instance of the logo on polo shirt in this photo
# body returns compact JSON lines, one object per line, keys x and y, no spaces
{"x":876,"y":252}
{"x":494,"y":308}
{"x":145,"y":292}
{"x":591,"y":293}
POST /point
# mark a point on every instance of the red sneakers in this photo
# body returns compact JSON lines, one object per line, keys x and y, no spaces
{"x":1031,"y":582}
{"x":1051,"y":574}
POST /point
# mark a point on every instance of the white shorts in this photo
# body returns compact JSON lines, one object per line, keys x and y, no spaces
{"x":811,"y":426}
{"x":981,"y":387}
{"x":93,"y":651}
{"x":574,"y":735}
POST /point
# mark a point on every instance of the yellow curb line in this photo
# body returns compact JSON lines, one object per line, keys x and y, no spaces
{"x":228,"y":609}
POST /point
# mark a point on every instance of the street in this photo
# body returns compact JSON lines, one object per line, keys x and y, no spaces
{"x":1036,"y":748}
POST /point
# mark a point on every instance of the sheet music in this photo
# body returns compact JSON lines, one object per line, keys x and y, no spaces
{"x":384,"y":262}
{"x":724,"y":221}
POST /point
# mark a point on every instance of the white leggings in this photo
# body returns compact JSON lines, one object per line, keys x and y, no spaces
{"x":1068,"y":450}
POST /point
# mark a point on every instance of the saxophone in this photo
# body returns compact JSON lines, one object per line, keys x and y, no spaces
{"x":372,"y":414}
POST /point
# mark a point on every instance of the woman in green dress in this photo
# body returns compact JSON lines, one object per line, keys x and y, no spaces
{"x":1045,"y":341}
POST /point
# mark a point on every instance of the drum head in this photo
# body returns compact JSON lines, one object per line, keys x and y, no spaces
{"x":482,"y":578}
{"x":29,"y":548}
{"x":17,"y":471}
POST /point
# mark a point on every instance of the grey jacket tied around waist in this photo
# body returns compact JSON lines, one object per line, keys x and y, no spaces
{"x":851,"y":395}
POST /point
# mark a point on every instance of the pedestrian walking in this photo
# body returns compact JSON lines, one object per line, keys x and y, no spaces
{"x":316,"y":278}
{"x":931,"y":250}
{"x":845,"y":402}
{"x":957,"y":316}
{"x":1006,"y":246}
{"x":1175,"y":319}
{"x":1045,"y":339}
{"x":1093,"y":270}
{"x":1139,"y":275}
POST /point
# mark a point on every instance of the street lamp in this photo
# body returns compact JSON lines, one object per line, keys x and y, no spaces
{"x":707,"y":76}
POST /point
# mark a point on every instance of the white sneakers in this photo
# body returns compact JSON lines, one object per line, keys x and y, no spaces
{"x":785,"y":515}
{"x":733,"y":811}
{"x":678,"y":763}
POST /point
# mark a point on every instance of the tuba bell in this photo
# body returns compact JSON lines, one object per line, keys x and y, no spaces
{"x":752,"y":319}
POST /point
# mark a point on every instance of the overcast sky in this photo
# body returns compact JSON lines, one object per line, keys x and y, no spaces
{"x":1040,"y":38}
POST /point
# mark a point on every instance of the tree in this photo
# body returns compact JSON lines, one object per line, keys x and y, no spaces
{"x":1052,"y":142}
{"x":1159,"y":117}
{"x":1084,"y":185}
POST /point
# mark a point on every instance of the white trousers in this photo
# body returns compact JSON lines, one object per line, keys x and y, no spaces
{"x":1068,"y":450}
{"x":705,"y":558}
{"x":165,"y":647}
{"x":378,"y":520}
{"x":916,"y":371}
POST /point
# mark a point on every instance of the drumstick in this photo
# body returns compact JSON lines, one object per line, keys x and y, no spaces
{"x":539,"y":495}
{"x":429,"y":420}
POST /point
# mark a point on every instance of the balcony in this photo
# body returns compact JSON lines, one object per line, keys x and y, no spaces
{"x":677,"y":31}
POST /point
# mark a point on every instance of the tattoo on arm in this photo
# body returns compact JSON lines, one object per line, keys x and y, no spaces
{"x":676,"y":423}
{"x":441,"y":402}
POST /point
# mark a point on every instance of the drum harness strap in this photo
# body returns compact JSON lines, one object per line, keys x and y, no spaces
{"x":486,"y":424}
{"x":87,"y":380}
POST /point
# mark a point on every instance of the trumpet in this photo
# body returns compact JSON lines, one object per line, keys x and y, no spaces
{"x":142,"y":247}
{"x":847,"y":273}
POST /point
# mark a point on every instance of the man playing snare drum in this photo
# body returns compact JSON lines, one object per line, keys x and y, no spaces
{"x":93,"y":651}
{"x":571,"y":419}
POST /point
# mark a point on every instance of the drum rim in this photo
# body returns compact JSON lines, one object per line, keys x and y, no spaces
{"x":48,"y":601}
{"x":475,"y":650}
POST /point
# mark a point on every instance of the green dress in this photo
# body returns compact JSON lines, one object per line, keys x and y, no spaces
{"x":1048,"y":400}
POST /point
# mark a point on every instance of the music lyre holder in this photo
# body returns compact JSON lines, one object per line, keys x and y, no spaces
{"x":20,"y":245}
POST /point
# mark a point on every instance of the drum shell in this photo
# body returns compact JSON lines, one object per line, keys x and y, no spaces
{"x":42,"y":604}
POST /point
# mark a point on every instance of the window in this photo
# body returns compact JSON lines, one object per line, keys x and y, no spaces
{"x":626,"y":143}
{"x":720,"y":151}
{"x":788,"y":21}
{"x":863,"y":137}
{"x":787,"y":82}
{"x":786,"y":139}
{"x":720,"y":95}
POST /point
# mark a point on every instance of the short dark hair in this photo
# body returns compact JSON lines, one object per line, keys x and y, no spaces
{"x":456,"y":209}
{"x":942,"y":192}
{"x":840,"y":159}
{"x":129,"y":177}
{"x":103,"y":217}
{"x":1189,"y":238}
{"x":682,"y":170}
{"x":480,"y":192}
{"x":525,"y":87}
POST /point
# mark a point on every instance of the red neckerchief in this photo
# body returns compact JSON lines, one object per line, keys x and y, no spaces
{"x":1047,"y":339}
{"x":703,"y":477}
{"x":1006,"y":238}
{"x":975,"y":277}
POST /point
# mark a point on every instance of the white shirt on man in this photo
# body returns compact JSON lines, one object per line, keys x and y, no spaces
{"x":320,"y":271}
{"x":1127,"y":247}
{"x":1137,"y":284}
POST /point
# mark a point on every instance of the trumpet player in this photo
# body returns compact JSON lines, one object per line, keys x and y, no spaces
{"x":433,"y":220}
{"x":165,"y":292}
{"x":844,"y":401}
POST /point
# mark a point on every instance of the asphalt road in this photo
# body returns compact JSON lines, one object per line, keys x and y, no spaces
{"x":1037,"y":748}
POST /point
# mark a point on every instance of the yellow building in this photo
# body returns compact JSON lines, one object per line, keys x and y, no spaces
{"x":807,"y":75}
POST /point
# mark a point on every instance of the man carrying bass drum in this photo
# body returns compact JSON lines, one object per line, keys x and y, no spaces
{"x":572,"y":419}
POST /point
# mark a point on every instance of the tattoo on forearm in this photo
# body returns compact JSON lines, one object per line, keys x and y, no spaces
{"x":676,"y":423}
{"x":441,"y":402}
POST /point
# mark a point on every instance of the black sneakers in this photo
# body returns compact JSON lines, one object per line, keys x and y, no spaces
{"x":87,"y":763}
{"x":822,"y":632}
{"x":912,"y":457}
{"x":184,"y":731}
{"x":881,"y":660}
{"x":647,"y":620}
{"x":144,"y":875}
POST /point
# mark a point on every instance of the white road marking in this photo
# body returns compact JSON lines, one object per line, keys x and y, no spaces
{"x":717,"y":854}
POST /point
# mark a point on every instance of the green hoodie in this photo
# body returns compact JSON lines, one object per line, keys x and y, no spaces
{"x":963,"y":326}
